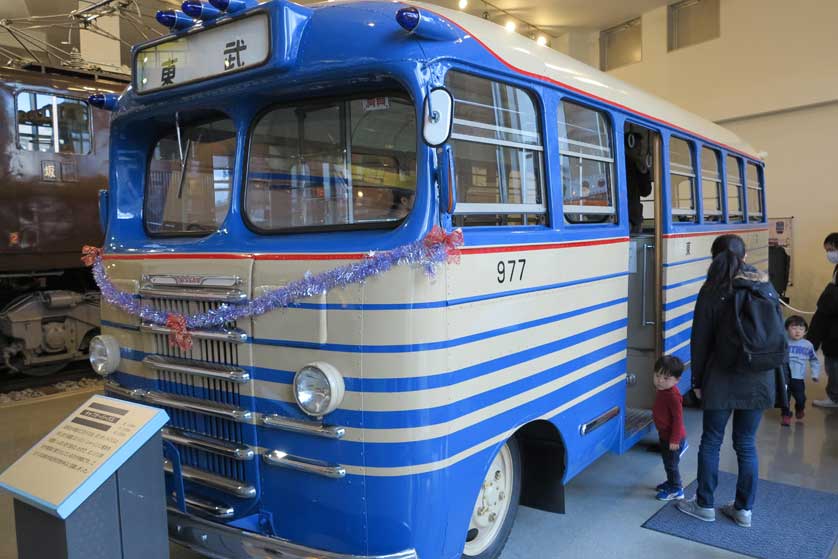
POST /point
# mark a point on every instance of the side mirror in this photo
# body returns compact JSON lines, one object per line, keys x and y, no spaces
{"x":447,"y":181}
{"x":439,"y":116}
{"x":104,"y":210}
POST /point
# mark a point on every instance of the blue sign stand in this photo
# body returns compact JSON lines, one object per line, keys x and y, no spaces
{"x":93,"y":488}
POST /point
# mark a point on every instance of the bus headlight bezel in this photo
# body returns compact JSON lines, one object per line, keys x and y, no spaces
{"x":318,"y":389}
{"x":104,"y":354}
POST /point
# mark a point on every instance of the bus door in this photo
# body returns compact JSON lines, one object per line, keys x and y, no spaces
{"x":643,"y":180}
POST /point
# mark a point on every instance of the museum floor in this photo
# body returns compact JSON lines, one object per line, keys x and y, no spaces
{"x":612,"y":498}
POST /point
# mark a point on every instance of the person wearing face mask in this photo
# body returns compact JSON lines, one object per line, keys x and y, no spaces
{"x":824,"y":330}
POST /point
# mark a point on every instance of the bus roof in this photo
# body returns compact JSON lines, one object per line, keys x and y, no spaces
{"x":524,"y":56}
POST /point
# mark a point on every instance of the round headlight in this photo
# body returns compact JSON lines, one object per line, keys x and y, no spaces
{"x":104,"y":354}
{"x":318,"y":389}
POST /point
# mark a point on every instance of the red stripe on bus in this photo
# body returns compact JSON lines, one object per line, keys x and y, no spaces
{"x":705,"y":233}
{"x":178,"y":256}
{"x":353,"y":256}
{"x":589,"y":94}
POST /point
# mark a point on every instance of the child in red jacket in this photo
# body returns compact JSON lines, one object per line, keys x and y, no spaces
{"x":668,"y":414}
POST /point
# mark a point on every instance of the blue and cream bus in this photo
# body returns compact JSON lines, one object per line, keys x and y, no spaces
{"x":408,"y":415}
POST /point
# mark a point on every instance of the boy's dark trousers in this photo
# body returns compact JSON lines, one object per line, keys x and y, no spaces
{"x":671,"y":459}
{"x":797,"y":390}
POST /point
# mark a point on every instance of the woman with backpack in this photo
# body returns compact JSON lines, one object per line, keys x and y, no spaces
{"x":737,"y":345}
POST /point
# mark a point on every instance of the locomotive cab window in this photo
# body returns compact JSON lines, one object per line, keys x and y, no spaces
{"x":497,"y":153}
{"x":189,"y":178}
{"x":587,"y":164}
{"x":345,"y":163}
{"x":711,"y":185}
{"x":682,"y":180}
{"x":52,"y":123}
{"x":735,"y":198}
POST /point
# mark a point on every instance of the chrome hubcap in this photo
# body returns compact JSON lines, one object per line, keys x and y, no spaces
{"x":492,"y":504}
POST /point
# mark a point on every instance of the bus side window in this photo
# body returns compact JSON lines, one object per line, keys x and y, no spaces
{"x":753,"y":181}
{"x":587,"y":163}
{"x":682,"y":180}
{"x":735,"y":200}
{"x":711,"y":185}
{"x":498,"y":153}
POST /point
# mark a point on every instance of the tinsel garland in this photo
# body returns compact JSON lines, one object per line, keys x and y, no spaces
{"x":437,"y":247}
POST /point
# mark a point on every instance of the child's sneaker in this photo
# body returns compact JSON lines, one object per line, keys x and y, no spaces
{"x":800,"y":414}
{"x":786,"y":421}
{"x":669,"y":494}
{"x":661,"y":486}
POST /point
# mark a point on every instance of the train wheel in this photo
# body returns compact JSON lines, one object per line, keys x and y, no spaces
{"x":496,"y":506}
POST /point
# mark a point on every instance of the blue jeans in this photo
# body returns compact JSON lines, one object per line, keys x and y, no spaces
{"x":745,"y":424}
{"x":671,"y":459}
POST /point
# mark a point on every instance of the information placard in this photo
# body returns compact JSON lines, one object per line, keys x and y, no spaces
{"x":74,"y":459}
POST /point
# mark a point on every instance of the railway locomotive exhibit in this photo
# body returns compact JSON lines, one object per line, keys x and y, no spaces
{"x":53,"y":162}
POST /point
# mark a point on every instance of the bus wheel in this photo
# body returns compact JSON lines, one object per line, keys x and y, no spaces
{"x":496,"y":506}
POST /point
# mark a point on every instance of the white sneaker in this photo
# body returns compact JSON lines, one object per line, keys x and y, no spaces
{"x":825,"y":403}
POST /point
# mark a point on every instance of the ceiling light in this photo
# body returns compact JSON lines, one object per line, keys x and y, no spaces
{"x":463,"y":4}
{"x":510,"y":26}
{"x":541,"y":40}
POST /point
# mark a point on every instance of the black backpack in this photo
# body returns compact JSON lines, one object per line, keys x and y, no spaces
{"x":759,"y":326}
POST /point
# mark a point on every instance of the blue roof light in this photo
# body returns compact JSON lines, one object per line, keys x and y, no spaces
{"x":104,"y":101}
{"x":233,"y":6}
{"x":174,"y":19}
{"x":408,"y":18}
{"x":427,"y":25}
{"x":200,"y":10}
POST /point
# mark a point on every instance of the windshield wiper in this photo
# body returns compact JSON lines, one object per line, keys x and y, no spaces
{"x":184,"y":158}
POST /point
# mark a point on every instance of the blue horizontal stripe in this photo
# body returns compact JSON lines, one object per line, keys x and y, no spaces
{"x":120,"y":325}
{"x":361,"y":419}
{"x":685,"y":282}
{"x":678,"y":320}
{"x":132,"y":354}
{"x":441,"y":414}
{"x":480,"y":369}
{"x":680,"y":302}
{"x":682,"y":262}
{"x":678,"y":338}
{"x":442,"y":344}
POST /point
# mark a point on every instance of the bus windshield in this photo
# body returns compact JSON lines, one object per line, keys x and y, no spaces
{"x":189,"y":178}
{"x":333,"y":164}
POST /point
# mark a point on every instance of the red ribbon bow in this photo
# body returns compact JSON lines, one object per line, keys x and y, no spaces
{"x":451,"y":242}
{"x":89,"y":254}
{"x":179,"y":335}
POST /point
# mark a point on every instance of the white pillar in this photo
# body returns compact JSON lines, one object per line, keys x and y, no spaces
{"x":98,"y":49}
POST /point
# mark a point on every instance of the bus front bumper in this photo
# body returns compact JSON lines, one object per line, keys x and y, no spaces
{"x":218,"y":541}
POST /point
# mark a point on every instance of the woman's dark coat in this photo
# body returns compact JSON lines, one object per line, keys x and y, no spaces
{"x":714,"y":356}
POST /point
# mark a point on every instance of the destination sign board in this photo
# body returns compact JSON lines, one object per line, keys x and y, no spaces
{"x":206,"y":53}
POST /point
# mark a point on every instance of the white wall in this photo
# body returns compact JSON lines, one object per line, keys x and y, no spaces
{"x":772,"y":78}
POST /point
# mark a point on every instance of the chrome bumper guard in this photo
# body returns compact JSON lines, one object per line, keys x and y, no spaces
{"x":218,"y":541}
{"x":284,"y":460}
{"x":207,"y":508}
{"x":233,"y":413}
{"x":234,"y":336}
{"x":208,"y":444}
{"x":197,"y":368}
{"x":207,"y":479}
